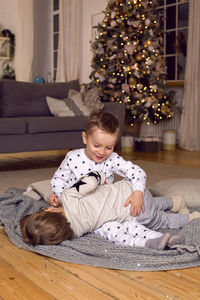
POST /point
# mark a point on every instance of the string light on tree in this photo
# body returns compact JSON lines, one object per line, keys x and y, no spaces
{"x":128,"y":64}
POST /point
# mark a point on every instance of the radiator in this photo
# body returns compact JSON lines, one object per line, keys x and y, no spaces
{"x":152,"y":130}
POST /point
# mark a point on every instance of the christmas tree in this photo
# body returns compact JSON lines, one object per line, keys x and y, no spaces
{"x":128,"y":64}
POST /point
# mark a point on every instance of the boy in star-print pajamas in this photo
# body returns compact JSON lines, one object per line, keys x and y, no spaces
{"x":100,"y":138}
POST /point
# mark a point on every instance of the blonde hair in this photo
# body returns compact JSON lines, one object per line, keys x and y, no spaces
{"x":104,"y":121}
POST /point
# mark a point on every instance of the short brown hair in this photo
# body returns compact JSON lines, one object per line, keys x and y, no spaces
{"x":45,"y":228}
{"x":104,"y":121}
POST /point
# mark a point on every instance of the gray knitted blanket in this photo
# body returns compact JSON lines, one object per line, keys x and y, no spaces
{"x":95,"y":251}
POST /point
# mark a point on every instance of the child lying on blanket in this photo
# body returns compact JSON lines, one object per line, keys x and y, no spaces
{"x":81,"y":213}
{"x":51,"y":227}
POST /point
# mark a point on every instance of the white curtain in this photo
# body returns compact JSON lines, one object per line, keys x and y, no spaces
{"x":24,"y":41}
{"x":189,"y":131}
{"x":69,"y":41}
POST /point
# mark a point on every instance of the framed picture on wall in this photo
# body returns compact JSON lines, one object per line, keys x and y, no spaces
{"x":95,"y":20}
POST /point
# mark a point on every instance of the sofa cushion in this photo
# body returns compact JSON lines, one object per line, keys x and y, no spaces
{"x":75,"y":103}
{"x":58,"y":108}
{"x":54,"y":124}
{"x":12,"y":126}
{"x":29,"y":99}
{"x":68,"y":107}
{"x":92,"y":100}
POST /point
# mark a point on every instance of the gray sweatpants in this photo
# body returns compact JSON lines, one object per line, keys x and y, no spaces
{"x":157,"y":215}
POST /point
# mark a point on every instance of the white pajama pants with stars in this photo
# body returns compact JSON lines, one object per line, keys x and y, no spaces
{"x":129,"y":233}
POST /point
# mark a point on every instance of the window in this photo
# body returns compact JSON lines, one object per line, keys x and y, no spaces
{"x":175,"y":26}
{"x":55,"y":35}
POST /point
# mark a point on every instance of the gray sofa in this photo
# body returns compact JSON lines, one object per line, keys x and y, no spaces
{"x":26,"y":123}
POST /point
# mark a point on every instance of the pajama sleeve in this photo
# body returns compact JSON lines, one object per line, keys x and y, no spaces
{"x":61,"y":178}
{"x":130,"y":172}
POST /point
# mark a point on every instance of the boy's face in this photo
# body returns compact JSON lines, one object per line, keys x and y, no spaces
{"x":99,"y":144}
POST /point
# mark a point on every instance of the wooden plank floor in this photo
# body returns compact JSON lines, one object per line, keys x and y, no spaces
{"x":25,"y":275}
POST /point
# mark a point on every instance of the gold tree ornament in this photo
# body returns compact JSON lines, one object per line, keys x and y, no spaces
{"x":138,"y":57}
{"x":132,"y":81}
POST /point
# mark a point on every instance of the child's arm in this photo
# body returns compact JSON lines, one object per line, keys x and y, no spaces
{"x":137,"y":203}
{"x":137,"y":176}
{"x":58,"y":209}
{"x":129,"y":171}
{"x":61,"y":178}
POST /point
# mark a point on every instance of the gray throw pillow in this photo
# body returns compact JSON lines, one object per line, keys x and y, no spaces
{"x":92,"y":100}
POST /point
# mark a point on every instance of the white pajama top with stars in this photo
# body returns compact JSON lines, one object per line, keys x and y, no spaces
{"x":76,"y":164}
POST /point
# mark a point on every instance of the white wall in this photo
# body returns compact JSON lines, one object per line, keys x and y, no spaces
{"x":8,"y":15}
{"x":43,"y":32}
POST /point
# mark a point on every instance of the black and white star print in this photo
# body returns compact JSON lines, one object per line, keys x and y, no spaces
{"x":78,"y":184}
{"x":76,"y":164}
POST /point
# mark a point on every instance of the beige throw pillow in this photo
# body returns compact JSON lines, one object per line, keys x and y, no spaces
{"x":58,"y":108}
{"x":189,"y":188}
{"x":38,"y":190}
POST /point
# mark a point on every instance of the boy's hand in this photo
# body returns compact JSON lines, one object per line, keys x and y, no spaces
{"x":53,"y":200}
{"x":137,"y":203}
{"x":58,"y":209}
